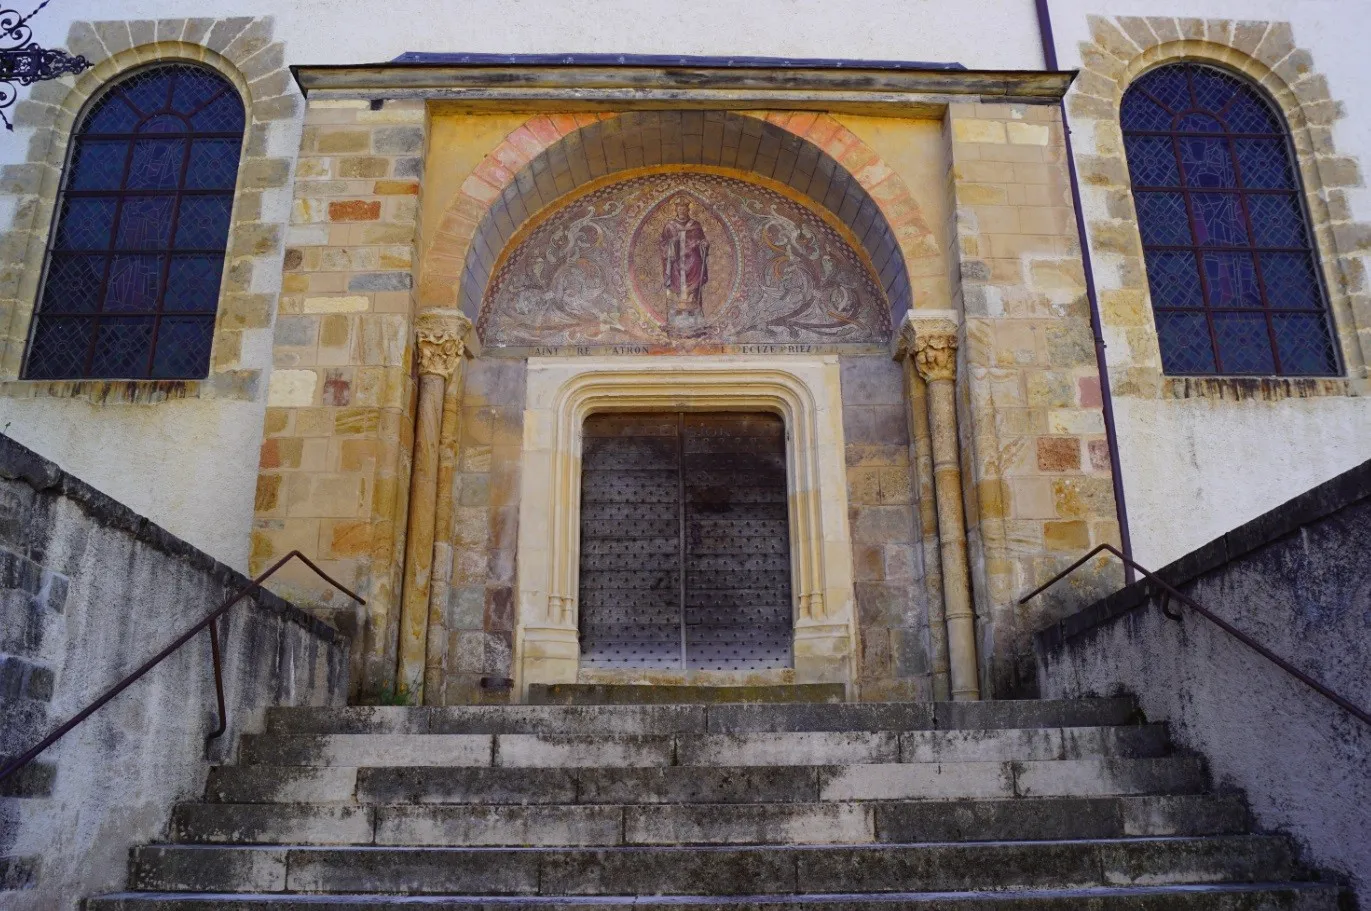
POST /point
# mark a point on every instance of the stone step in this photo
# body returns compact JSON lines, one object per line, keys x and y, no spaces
{"x":789,"y":748}
{"x":1235,"y":897}
{"x":852,"y":822}
{"x":266,"y":784}
{"x":595,"y":720}
{"x":716,"y":871}
{"x":643,"y":694}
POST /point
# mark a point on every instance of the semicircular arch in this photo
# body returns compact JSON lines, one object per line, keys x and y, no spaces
{"x":551,"y":156}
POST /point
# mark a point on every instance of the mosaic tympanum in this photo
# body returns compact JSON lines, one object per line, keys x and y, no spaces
{"x":682,"y":259}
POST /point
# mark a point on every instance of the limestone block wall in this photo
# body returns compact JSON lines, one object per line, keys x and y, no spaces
{"x":1296,"y":580}
{"x":89,"y":590}
{"x":1035,"y":460}
{"x":887,"y":553}
{"x":338,"y":431}
{"x":471,"y":652}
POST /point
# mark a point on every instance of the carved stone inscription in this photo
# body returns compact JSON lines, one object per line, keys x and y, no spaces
{"x":683,"y":260}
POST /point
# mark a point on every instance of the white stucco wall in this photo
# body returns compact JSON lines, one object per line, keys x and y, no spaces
{"x":1196,"y":468}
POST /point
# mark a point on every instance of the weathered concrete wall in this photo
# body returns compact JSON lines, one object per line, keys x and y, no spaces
{"x":88,"y":591}
{"x":1296,"y":580}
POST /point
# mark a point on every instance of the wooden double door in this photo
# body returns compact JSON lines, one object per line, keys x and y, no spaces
{"x":685,"y":542}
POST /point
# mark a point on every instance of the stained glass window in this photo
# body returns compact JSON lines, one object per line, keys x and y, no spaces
{"x":1229,"y":252}
{"x":137,"y":254}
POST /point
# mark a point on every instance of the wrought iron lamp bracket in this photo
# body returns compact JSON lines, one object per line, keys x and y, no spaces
{"x":24,"y":61}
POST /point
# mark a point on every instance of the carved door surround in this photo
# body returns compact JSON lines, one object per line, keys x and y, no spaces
{"x":803,"y":390}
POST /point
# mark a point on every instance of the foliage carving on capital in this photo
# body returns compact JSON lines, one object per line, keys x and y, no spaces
{"x":932,"y":343}
{"x":441,"y":337}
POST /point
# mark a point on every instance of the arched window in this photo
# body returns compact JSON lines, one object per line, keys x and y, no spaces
{"x":137,"y":253}
{"x":1229,"y":251}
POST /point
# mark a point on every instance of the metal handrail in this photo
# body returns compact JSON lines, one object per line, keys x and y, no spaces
{"x":1169,"y":591}
{"x":185,"y":637}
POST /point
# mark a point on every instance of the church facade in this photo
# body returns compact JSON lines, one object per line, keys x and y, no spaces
{"x":778,"y":356}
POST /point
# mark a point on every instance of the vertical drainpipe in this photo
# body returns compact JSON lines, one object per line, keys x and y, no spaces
{"x":1096,"y":328}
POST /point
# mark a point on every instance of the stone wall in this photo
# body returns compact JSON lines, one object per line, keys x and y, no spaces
{"x":334,"y":469}
{"x":88,"y":591}
{"x":1035,"y":458}
{"x":1296,"y":580}
{"x":887,"y":554}
{"x":475,"y":573}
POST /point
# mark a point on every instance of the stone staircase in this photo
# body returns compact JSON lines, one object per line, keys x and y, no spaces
{"x":1005,"y":806}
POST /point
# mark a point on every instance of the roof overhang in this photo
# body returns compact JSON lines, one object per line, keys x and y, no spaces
{"x":605,"y":82}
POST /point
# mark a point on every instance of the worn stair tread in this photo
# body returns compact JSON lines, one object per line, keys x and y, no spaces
{"x":609,"y":824}
{"x":681,"y":694}
{"x":482,"y":785}
{"x":741,"y":749}
{"x":677,"y":718}
{"x":715,"y":869}
{"x":1253,"y":896}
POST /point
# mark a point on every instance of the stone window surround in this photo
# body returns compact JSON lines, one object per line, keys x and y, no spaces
{"x":562,"y":392}
{"x":242,"y":51}
{"x":1263,"y":53}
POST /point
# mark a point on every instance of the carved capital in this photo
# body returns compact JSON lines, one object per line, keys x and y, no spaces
{"x":932,"y":343}
{"x":441,"y":339}
{"x":935,"y":355}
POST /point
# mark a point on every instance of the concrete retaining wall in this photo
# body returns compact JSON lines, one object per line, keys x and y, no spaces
{"x":1297,"y":580}
{"x":88,"y":591}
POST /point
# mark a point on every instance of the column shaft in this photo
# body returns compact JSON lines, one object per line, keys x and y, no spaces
{"x":947,"y":479}
{"x":441,"y":344}
{"x":419,"y":537}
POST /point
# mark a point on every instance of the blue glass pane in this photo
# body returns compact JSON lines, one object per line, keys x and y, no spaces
{"x":145,"y":223}
{"x":111,"y":114}
{"x":122,"y":347}
{"x":1218,"y":220}
{"x":1265,"y":164}
{"x":73,"y":283}
{"x":194,"y":88}
{"x":1173,"y":279}
{"x":1305,"y":344}
{"x":1207,"y":162}
{"x":1232,"y":280}
{"x":133,"y":284}
{"x":156,"y":164}
{"x":1152,"y":161}
{"x":1185,"y":345}
{"x":193,"y":282}
{"x":1277,"y":220}
{"x":85,"y":224}
{"x":1249,"y":113}
{"x":204,"y":222}
{"x":1244,"y":343}
{"x":183,"y":346}
{"x":59,"y":347}
{"x":1162,"y":218}
{"x":1169,"y":86}
{"x":223,"y":115}
{"x":1198,"y":123}
{"x":98,"y":164}
{"x":1139,"y":112}
{"x":1213,"y":89}
{"x":213,"y":164}
{"x":163,"y":123}
{"x":149,"y":90}
{"x":1291,"y":282}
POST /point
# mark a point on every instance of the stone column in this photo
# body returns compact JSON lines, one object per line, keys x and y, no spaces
{"x":441,"y":343}
{"x":932,"y":345}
